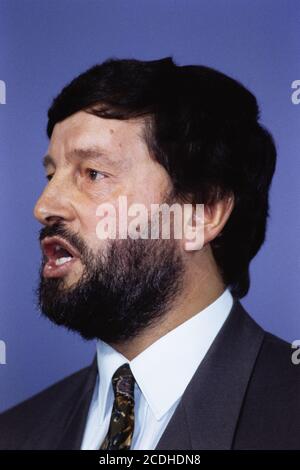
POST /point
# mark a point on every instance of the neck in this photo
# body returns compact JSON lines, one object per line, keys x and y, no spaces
{"x":194,"y":298}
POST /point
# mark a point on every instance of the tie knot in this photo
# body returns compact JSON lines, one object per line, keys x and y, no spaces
{"x":123,"y":381}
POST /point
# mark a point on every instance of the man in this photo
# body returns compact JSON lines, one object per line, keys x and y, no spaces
{"x":180,"y":364}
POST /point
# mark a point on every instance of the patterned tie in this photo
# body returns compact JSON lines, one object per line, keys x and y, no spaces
{"x":121,"y":425}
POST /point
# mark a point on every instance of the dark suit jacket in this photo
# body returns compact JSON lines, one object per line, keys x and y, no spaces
{"x":244,"y":395}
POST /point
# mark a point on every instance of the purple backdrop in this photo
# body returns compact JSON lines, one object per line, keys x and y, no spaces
{"x":44,"y":44}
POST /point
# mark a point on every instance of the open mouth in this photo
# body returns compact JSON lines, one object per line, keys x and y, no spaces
{"x":59,"y":254}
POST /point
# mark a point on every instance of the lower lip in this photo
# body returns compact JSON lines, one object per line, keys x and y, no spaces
{"x":51,"y":270}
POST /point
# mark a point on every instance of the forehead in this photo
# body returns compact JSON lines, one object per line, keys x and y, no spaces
{"x":83,"y":130}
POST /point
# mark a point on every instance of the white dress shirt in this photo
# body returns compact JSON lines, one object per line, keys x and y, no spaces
{"x":162,"y":373}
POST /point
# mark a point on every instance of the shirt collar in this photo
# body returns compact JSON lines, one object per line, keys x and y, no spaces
{"x":164,"y":369}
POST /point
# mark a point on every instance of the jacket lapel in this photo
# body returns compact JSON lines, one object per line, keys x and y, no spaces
{"x":73,"y":430}
{"x":208,"y":412}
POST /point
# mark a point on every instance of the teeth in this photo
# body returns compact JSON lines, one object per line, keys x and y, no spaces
{"x":62,"y":260}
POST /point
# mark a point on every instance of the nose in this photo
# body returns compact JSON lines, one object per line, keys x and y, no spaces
{"x":55,"y":203}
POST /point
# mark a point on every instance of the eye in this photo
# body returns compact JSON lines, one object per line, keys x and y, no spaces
{"x":94,"y":175}
{"x":49,"y":177}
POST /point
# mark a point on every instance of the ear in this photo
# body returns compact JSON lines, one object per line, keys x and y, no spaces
{"x":205,"y":222}
{"x":216,"y":216}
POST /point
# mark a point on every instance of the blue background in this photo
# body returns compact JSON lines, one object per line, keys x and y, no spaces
{"x":43,"y":45}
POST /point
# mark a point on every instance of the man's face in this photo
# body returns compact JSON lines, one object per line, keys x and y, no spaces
{"x":93,"y":161}
{"x":102,"y":288}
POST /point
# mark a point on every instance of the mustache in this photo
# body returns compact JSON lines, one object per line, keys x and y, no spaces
{"x":60,"y":229}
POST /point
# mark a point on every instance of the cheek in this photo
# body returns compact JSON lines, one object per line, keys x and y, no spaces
{"x":88,"y":228}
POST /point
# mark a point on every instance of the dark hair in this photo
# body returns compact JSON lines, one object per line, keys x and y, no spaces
{"x":202,"y":126}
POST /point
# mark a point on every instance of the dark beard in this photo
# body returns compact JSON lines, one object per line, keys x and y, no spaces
{"x":121,"y":292}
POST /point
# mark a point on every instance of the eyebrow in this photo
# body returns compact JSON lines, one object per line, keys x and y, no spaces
{"x":83,"y":154}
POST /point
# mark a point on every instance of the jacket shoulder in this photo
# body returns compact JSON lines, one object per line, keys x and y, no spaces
{"x":270,"y":417}
{"x":39,"y":411}
{"x":275,"y":360}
